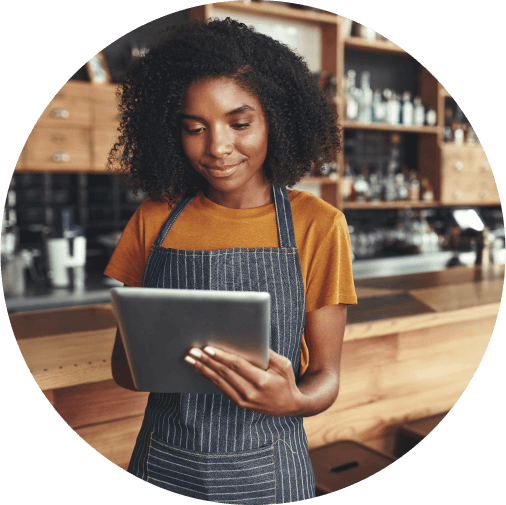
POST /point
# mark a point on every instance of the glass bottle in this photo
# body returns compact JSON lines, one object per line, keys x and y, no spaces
{"x":418,"y":112}
{"x":393,"y":107}
{"x":365,"y":106}
{"x":401,"y":188}
{"x":361,"y":186}
{"x":389,"y":191}
{"x":374,"y":188}
{"x":414,"y":187}
{"x":407,"y":109}
{"x":431,"y":117}
{"x":427,"y":190}
{"x":346,"y":182}
{"x":351,"y":95}
{"x":378,"y":107}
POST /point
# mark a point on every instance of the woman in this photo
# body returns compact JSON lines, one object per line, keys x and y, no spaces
{"x":216,"y":121}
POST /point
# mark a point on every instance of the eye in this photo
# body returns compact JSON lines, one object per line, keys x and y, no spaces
{"x":193,"y":131}
{"x":240,"y":126}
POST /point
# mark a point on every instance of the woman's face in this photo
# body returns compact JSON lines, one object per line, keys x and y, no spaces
{"x":224,"y":135}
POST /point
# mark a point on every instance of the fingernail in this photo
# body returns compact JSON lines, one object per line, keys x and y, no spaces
{"x":210,"y":350}
{"x":196,"y":353}
{"x":190,"y":360}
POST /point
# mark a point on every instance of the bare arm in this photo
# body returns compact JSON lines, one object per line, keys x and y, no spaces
{"x":324,"y":334}
{"x":119,"y":365}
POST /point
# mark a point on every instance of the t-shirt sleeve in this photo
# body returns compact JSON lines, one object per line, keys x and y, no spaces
{"x":128,"y":259}
{"x":330,"y":275}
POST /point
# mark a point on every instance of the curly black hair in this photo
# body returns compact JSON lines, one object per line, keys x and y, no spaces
{"x":303,"y":130}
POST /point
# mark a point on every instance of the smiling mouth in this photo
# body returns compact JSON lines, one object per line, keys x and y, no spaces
{"x":223,"y":171}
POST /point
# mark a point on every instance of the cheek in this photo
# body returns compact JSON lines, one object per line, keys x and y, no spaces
{"x":190,"y":147}
{"x":256,"y":145}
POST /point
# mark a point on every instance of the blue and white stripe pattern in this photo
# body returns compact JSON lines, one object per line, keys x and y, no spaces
{"x":202,"y":445}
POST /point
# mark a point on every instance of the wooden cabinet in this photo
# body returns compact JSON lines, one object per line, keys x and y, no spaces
{"x":460,"y":175}
{"x":75,"y":132}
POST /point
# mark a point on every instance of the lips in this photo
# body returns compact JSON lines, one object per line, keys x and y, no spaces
{"x":222,"y":171}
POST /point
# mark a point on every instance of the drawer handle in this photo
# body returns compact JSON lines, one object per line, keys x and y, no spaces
{"x":60,"y":157}
{"x":484,"y":194}
{"x":457,"y":194}
{"x":485,"y":167}
{"x":60,"y":112}
{"x":458,"y":165}
{"x":58,"y":138}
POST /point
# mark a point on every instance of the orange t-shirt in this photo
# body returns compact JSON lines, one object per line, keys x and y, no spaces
{"x":321,"y":236}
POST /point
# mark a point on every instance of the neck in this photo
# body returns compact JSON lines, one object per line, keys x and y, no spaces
{"x":244,"y":199}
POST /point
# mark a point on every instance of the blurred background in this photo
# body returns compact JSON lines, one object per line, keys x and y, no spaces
{"x":413,"y":181}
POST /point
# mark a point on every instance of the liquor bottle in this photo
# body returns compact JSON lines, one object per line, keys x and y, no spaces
{"x":346,"y":182}
{"x":418,"y":112}
{"x":414,"y":187}
{"x":365,"y":105}
{"x":393,"y":107}
{"x":427,"y":190}
{"x":374,"y":188}
{"x":389,"y":191}
{"x":407,"y":109}
{"x":431,"y":117}
{"x":351,"y":96}
{"x":361,"y":186}
{"x":401,"y":187}
{"x":378,"y":107}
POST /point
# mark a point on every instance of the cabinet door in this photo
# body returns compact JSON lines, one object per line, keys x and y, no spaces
{"x":58,"y":149}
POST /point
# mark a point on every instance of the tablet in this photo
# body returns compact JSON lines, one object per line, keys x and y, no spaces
{"x":159,"y":326}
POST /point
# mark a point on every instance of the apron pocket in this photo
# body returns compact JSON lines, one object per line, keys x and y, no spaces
{"x":245,"y":477}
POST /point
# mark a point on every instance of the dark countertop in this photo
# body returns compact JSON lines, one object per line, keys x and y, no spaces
{"x":96,"y":291}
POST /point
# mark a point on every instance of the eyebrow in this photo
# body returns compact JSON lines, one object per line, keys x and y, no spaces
{"x":240,"y":109}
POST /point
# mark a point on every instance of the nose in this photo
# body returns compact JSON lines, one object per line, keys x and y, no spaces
{"x":219,"y":142}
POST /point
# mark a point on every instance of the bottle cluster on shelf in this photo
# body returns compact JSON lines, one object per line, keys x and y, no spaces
{"x":352,"y":28}
{"x":367,"y":105}
{"x":457,"y":128}
{"x":367,"y":185}
{"x":410,"y":233}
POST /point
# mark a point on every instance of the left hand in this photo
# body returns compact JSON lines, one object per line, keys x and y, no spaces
{"x":272,"y":391}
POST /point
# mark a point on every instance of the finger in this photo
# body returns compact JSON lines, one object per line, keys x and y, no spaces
{"x":279,"y":363}
{"x":240,"y":366}
{"x":221,"y":379}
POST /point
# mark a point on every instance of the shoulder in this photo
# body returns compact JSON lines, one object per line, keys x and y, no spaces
{"x":314,"y":210}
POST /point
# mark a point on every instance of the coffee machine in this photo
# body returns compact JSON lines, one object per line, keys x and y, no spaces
{"x":66,"y":254}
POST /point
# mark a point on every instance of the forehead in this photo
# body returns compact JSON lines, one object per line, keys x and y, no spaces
{"x":220,"y":94}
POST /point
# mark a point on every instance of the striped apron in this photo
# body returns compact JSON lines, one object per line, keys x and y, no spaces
{"x":202,"y":445}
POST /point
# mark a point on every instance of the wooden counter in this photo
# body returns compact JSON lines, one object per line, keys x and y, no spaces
{"x":411,"y":346}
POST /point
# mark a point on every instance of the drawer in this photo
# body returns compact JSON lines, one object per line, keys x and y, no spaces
{"x":466,"y":177}
{"x":71,"y":106}
{"x":102,"y":142}
{"x":104,"y":107}
{"x":58,"y":149}
{"x":458,"y":160}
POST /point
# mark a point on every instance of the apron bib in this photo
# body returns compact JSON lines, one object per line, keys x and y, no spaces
{"x":202,"y":445}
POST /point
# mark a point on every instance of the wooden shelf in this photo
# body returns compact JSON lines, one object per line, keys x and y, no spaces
{"x":319,"y":180}
{"x":390,"y":127}
{"x":271,"y":9}
{"x":379,"y":46}
{"x":389,"y":205}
